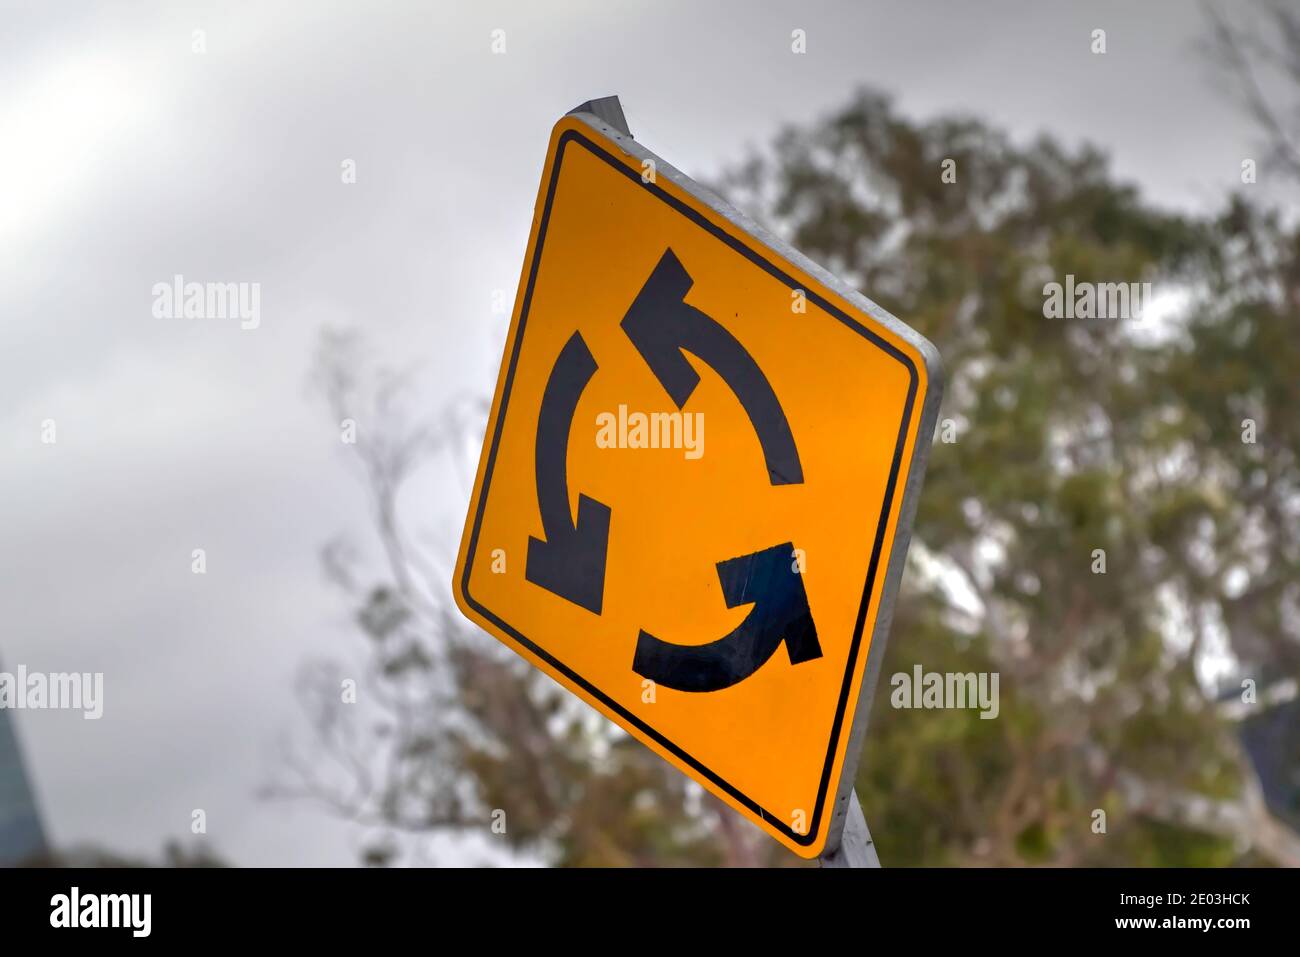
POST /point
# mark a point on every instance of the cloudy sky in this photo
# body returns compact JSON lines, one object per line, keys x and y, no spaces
{"x":126,"y":158}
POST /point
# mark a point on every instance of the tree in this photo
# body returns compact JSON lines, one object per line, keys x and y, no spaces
{"x":1075,"y":440}
{"x":1098,"y":534}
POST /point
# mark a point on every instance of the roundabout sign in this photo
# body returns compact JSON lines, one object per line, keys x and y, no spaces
{"x":727,"y":608}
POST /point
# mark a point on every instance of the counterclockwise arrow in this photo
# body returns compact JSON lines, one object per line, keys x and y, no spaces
{"x":660,"y":325}
{"x":571,"y":561}
{"x":767,"y":580}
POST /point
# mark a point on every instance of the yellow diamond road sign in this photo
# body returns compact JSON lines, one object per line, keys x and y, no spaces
{"x":693,"y":502}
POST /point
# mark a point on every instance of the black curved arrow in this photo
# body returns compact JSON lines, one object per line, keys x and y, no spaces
{"x":660,"y":325}
{"x":780,"y":613}
{"x":571,"y":561}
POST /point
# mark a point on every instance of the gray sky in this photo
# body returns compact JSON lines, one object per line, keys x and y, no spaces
{"x":126,"y":158}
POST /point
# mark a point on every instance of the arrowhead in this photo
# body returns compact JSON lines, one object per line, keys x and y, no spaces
{"x":771,"y":582}
{"x":572,"y":563}
{"x":662,"y":326}
{"x":768,"y":581}
{"x":651,"y":324}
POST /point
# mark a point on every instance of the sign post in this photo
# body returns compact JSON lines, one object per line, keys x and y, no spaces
{"x":697,"y":485}
{"x":856,"y":849}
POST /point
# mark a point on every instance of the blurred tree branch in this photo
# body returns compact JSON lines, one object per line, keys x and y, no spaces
{"x":1247,"y":54}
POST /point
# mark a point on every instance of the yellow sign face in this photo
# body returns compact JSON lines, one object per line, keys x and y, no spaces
{"x":696,"y":485}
